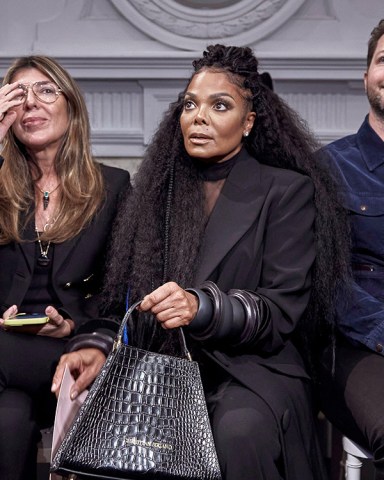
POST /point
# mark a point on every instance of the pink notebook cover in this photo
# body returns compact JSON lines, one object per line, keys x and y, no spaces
{"x":66,"y":410}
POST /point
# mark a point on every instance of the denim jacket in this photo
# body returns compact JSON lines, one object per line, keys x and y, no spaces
{"x":358,"y":164}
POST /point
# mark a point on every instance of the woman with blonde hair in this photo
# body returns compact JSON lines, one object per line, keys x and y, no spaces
{"x":57,"y":205}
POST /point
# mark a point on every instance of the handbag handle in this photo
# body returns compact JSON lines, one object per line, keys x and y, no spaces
{"x":124,"y":322}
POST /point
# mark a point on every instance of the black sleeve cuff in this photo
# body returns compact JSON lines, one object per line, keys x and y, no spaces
{"x":223,"y":316}
{"x":204,"y":313}
{"x":90,"y":340}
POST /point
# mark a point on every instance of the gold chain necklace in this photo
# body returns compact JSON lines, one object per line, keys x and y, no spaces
{"x":43,"y":259}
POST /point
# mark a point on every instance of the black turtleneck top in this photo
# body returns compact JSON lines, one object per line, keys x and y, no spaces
{"x":214,"y":176}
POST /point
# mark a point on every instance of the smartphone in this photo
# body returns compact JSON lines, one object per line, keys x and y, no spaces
{"x":22,"y":319}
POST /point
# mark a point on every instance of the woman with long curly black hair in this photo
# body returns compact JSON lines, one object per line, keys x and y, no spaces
{"x":233,"y":232}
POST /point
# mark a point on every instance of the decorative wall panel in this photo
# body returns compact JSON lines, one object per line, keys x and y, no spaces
{"x":191,"y":25}
{"x":132,"y":57}
{"x":116,"y":116}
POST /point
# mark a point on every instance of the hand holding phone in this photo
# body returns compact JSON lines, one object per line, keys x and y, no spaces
{"x":22,"y":319}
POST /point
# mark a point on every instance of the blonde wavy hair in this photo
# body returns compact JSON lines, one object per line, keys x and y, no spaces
{"x":81,"y":181}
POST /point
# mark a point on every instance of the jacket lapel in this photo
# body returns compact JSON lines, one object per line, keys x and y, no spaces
{"x":29,"y":245}
{"x":62,"y":251}
{"x":236,"y":209}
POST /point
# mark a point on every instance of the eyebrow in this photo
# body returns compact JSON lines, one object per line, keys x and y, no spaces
{"x":37,"y":81}
{"x":211,"y":97}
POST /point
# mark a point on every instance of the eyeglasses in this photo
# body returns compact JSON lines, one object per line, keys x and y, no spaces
{"x":46,"y":92}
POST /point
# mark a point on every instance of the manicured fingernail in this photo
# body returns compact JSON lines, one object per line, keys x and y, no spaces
{"x":74,"y":394}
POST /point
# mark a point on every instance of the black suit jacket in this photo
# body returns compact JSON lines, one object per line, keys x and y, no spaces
{"x":260,"y":237}
{"x":77,"y":264}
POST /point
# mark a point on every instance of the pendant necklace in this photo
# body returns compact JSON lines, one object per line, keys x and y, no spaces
{"x":46,"y":194}
{"x":43,"y":259}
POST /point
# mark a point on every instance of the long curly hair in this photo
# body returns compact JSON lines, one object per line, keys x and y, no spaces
{"x":159,"y":229}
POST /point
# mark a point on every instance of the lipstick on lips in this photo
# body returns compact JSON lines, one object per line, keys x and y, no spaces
{"x":33,"y":121}
{"x":199,"y":138}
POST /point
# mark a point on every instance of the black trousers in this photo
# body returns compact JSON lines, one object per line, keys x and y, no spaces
{"x":246,"y":435}
{"x":353,"y":397}
{"x":27,"y":364}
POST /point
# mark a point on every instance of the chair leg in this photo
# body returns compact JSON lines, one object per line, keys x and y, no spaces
{"x":352,"y":467}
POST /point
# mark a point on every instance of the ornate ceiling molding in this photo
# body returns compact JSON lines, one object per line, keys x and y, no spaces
{"x":178,"y":24}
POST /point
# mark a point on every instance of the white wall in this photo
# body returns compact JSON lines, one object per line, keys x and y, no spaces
{"x":131,"y":57}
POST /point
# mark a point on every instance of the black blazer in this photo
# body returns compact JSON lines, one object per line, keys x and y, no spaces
{"x":77,"y":264}
{"x":260,"y":237}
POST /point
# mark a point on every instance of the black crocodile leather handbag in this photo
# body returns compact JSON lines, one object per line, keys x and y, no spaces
{"x":145,"y":417}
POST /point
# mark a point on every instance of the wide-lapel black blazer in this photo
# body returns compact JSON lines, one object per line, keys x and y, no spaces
{"x":77,"y":264}
{"x":260,"y":237}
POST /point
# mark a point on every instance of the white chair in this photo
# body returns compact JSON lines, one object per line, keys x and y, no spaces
{"x":353,"y":463}
{"x":44,"y":446}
